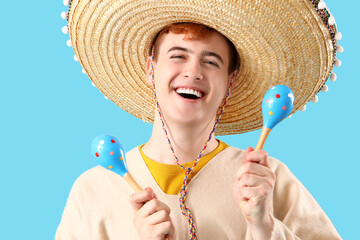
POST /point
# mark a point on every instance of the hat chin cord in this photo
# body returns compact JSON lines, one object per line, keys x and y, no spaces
{"x":183,"y":192}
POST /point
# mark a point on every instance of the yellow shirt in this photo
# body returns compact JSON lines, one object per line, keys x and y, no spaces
{"x":170,"y":177}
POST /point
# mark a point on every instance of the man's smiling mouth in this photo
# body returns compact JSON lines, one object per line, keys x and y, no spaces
{"x":189,"y":93}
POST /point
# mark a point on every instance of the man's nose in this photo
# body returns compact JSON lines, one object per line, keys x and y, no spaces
{"x":193,"y":71}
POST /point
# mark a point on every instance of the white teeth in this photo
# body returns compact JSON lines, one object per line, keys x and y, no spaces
{"x":189,"y":91}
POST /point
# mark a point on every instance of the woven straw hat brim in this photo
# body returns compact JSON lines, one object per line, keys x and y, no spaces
{"x":280,"y":42}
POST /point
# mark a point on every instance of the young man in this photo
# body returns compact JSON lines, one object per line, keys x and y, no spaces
{"x":201,"y":65}
{"x":225,"y":193}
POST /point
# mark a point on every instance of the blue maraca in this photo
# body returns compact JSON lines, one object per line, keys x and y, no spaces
{"x":109,"y":153}
{"x":277,"y":104}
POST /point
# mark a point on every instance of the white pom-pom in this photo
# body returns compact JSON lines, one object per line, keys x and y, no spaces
{"x":303,"y":108}
{"x":106,"y":97}
{"x":321,"y":4}
{"x":324,"y":88}
{"x":315,"y":99}
{"x":83,"y":71}
{"x":66,"y":2}
{"x":68,"y":43}
{"x":339,"y":49}
{"x":333,"y":77}
{"x":92,"y":83}
{"x":75,"y":58}
{"x":331,"y":20}
{"x":337,"y":63}
{"x":338,"y":36}
{"x":65,"y":29}
{"x":64,"y":15}
{"x":290,"y":116}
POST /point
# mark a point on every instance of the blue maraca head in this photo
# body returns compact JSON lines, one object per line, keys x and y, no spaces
{"x":109,"y":153}
{"x":277,"y":104}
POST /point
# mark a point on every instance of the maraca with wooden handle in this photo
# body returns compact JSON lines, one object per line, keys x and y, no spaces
{"x":277,"y":104}
{"x":109,"y":153}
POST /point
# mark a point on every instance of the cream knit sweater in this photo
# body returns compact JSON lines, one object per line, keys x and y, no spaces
{"x":98,"y":205}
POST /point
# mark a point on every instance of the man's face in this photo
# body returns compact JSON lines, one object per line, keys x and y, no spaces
{"x":191,"y":77}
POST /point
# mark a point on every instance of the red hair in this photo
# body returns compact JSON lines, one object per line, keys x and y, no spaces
{"x":194,"y":31}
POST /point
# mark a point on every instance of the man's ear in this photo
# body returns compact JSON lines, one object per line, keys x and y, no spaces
{"x":148,"y":71}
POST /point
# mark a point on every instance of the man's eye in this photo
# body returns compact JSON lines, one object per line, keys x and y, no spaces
{"x":177,"y":56}
{"x":212,"y":63}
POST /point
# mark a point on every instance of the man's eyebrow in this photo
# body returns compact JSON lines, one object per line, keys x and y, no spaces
{"x":180,"y":48}
{"x":204,"y":53}
{"x":207,"y":53}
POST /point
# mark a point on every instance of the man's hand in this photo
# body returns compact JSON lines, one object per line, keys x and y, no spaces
{"x":152,"y":217}
{"x":253,"y":192}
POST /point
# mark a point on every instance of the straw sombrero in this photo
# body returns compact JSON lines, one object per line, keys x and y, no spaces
{"x":289,"y":42}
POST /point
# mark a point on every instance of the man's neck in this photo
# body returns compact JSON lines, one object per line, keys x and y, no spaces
{"x":187,"y":142}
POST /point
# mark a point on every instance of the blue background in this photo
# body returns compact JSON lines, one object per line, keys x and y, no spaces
{"x":50,"y":112}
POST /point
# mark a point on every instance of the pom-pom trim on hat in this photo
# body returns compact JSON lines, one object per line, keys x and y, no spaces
{"x":324,"y":88}
{"x":303,"y":108}
{"x":339,"y":49}
{"x":64,"y":15}
{"x":328,"y":19}
{"x":315,"y":99}
{"x":66,"y":2}
{"x":338,"y":36}
{"x":65,"y":29}
{"x":68,"y":43}
{"x":321,"y":4}
{"x":333,"y":77}
{"x":337,"y":63}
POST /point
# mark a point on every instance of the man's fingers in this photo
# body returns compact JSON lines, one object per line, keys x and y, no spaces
{"x":153,"y":206}
{"x":259,"y":156}
{"x":138,"y":199}
{"x":251,"y":180}
{"x":158,"y":217}
{"x":247,"y":193}
{"x":252,"y":193}
{"x":253,"y":168}
{"x":247,"y":151}
{"x":152,"y":217}
{"x":165,"y":230}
